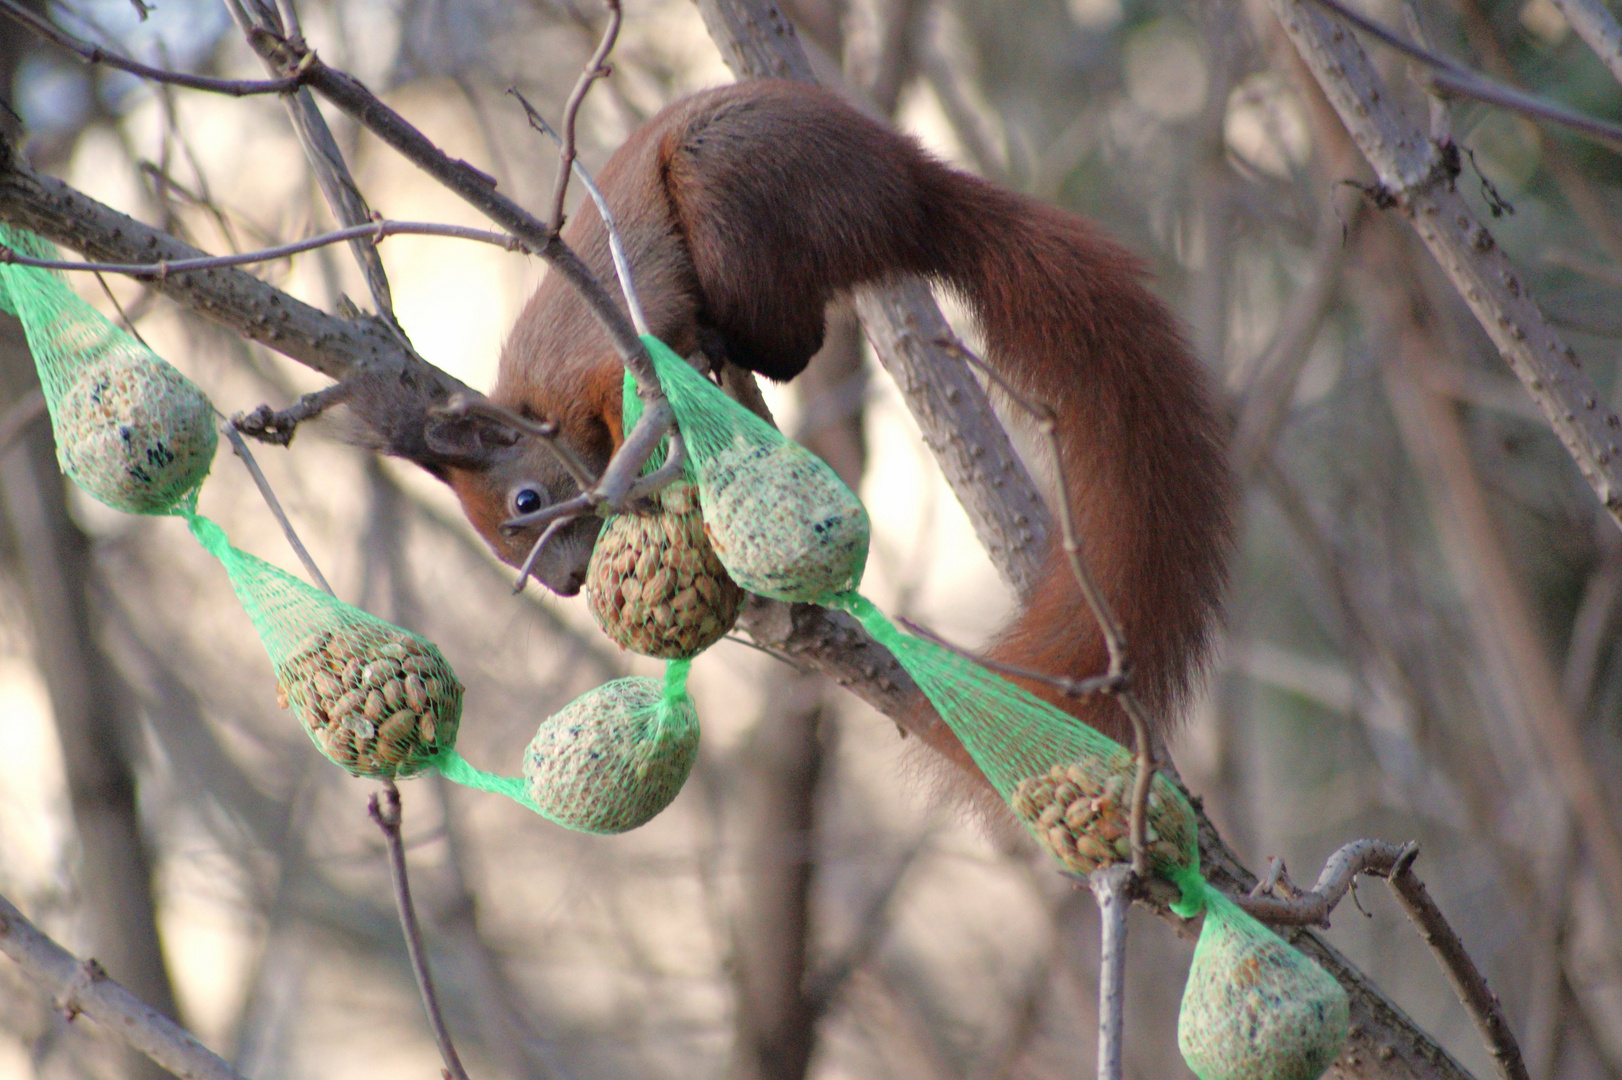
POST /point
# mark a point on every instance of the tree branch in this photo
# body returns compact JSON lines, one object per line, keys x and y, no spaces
{"x":95,"y":54}
{"x":1467,"y":981}
{"x":1417,"y":174}
{"x":82,"y":987}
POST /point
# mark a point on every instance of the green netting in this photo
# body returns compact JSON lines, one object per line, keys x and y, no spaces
{"x":1255,"y":1008}
{"x":781,"y":521}
{"x":1069,"y":784}
{"x":617,"y":755}
{"x":655,"y":584}
{"x":130,"y":429}
{"x":374,"y":698}
{"x":611,"y":760}
{"x":783,"y":524}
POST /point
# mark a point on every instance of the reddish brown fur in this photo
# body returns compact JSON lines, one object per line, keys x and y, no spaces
{"x":747,"y":208}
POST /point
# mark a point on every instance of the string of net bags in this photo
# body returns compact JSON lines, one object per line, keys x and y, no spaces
{"x":770,"y":517}
{"x":376,"y":699}
{"x":783,"y":524}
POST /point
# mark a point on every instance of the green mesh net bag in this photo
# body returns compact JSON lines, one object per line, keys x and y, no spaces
{"x":374,"y":698}
{"x":616,"y":756}
{"x":130,"y":429}
{"x":781,"y":521}
{"x":655,"y":584}
{"x":1069,"y":784}
{"x":610,"y":761}
{"x":1256,"y":1008}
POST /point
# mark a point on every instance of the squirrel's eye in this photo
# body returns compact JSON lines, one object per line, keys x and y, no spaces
{"x":527,"y":500}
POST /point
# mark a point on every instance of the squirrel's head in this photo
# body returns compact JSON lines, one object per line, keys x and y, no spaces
{"x":501,"y":468}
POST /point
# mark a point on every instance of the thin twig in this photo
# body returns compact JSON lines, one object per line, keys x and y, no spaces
{"x":377,"y":230}
{"x":95,"y":54}
{"x":1467,"y":981}
{"x":540,"y":542}
{"x":1600,"y":132}
{"x":616,"y":245}
{"x":1113,"y":887}
{"x":1097,"y":684}
{"x":595,"y":69}
{"x":82,"y":988}
{"x":1451,"y":77}
{"x":387,"y":815}
{"x":1313,"y":907}
{"x":240,"y":446}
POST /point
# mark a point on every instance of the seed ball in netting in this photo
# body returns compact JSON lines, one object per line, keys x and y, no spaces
{"x":379,"y":702}
{"x":1081,"y":813}
{"x":783,"y":523}
{"x":655,"y":584}
{"x":613,"y":758}
{"x":1256,"y":1008}
{"x":135,"y":433}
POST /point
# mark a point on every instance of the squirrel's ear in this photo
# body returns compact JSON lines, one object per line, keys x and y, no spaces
{"x":467,"y":440}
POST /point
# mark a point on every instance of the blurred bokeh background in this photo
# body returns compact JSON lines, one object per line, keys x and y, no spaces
{"x":1415,"y":544}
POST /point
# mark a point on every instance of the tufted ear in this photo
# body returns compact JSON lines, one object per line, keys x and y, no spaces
{"x":467,"y":440}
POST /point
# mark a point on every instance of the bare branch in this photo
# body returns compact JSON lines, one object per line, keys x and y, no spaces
{"x":1467,"y":981}
{"x":1453,"y":78}
{"x":616,"y":244}
{"x":95,"y":54}
{"x":387,"y":815}
{"x":596,"y":68}
{"x":1418,"y":174}
{"x":377,"y":230}
{"x":1113,"y":887}
{"x":473,"y":186}
{"x":917,"y":347}
{"x":1604,"y":133}
{"x":81,"y":987}
{"x":1312,"y":908}
{"x":325,"y":156}
{"x":1598,"y":28}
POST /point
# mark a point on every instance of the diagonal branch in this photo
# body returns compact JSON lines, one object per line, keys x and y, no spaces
{"x":1417,"y":173}
{"x":95,"y":54}
{"x":326,"y":160}
{"x":82,"y":987}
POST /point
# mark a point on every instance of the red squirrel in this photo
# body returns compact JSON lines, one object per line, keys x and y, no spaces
{"x":744,"y":210}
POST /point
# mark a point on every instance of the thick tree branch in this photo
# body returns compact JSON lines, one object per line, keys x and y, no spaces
{"x":81,"y":987}
{"x":1418,"y":174}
